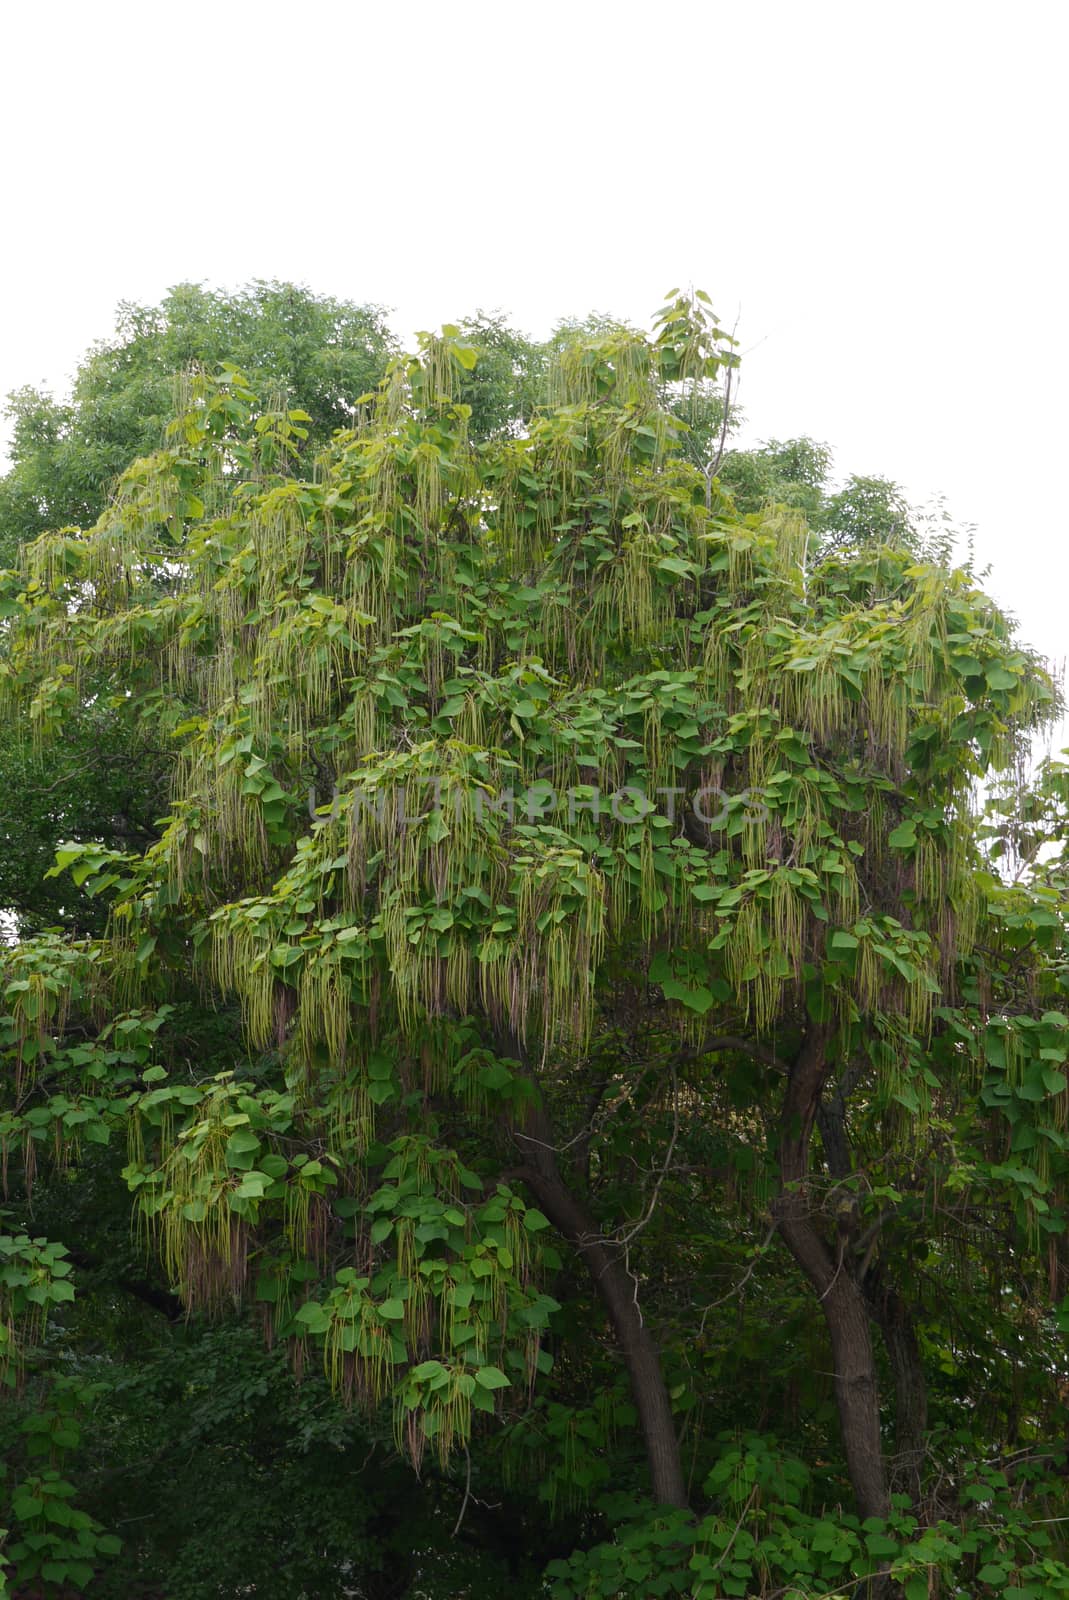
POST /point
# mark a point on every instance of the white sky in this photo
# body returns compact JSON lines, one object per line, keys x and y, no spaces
{"x":876,"y":190}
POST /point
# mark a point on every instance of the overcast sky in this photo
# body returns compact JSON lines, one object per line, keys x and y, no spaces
{"x":876,"y":191}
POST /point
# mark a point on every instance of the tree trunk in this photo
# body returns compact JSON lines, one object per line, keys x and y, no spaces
{"x":891,"y":1315}
{"x":911,"y":1391}
{"x":618,"y":1291}
{"x":841,"y":1300}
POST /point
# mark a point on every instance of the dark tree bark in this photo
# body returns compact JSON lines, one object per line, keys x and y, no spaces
{"x":618,"y":1291}
{"x":828,"y":1272}
{"x":888,"y":1310}
{"x":895,"y":1323}
{"x":161,"y":1300}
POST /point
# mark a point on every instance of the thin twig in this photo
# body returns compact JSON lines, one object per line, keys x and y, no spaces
{"x":743,"y":1281}
{"x":735,"y":1531}
{"x":835,"y":1274}
{"x":467,"y":1492}
{"x":626,"y":1238}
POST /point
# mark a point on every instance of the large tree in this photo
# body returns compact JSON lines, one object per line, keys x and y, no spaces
{"x":633,"y":1028}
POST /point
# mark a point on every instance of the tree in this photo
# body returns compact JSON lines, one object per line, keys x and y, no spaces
{"x":66,"y":455}
{"x":862,"y":513}
{"x":596,"y":869}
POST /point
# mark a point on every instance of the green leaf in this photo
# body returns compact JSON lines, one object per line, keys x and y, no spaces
{"x":904,"y":837}
{"x":241,"y":1142}
{"x":694,"y":996}
{"x":253,"y":1186}
{"x":285,"y":955}
{"x":313,"y":1316}
{"x":492,"y":1378}
{"x":676,"y":565}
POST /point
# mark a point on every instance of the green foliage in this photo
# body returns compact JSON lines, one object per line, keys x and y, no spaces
{"x":767,"y":1545}
{"x":33,"y":1276}
{"x":46,"y":1539}
{"x":66,"y":455}
{"x":505,"y":384}
{"x":861,"y":512}
{"x":538,"y":799}
{"x":95,"y":780}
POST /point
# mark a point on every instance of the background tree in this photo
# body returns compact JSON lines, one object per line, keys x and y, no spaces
{"x":67,"y":455}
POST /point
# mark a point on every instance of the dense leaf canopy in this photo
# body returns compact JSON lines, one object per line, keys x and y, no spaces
{"x":570,"y":1002}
